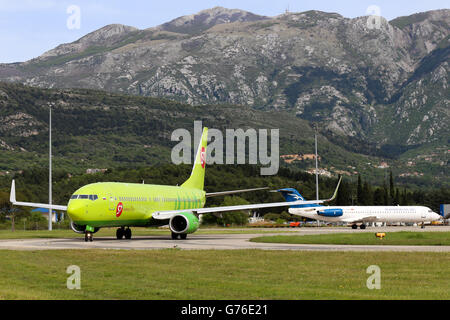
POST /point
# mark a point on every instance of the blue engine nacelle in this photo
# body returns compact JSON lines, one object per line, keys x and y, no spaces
{"x":331,"y":213}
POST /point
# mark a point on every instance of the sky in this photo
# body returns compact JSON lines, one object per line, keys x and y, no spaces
{"x":28,"y":28}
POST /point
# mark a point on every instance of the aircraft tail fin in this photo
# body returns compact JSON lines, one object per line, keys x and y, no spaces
{"x":292,"y":195}
{"x":197,"y":178}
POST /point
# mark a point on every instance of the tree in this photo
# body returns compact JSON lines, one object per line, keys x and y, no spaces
{"x":237,"y":217}
{"x":37,"y":219}
{"x":5,"y":205}
{"x":272,"y":216}
{"x":396,"y":201}
{"x":8,"y":211}
{"x":368,"y":194}
{"x":379,"y":197}
{"x":385,"y":195}
{"x":229,"y":218}
{"x":344,"y":196}
{"x":391,"y":189}
{"x":359,"y":192}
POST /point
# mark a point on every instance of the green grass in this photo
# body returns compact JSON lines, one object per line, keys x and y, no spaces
{"x":367,"y":238}
{"x":111,"y":232}
{"x":222,"y":275}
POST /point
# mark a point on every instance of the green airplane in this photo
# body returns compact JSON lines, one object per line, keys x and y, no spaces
{"x":125,"y":205}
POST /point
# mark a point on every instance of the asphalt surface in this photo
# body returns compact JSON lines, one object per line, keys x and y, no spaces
{"x":220,"y":242}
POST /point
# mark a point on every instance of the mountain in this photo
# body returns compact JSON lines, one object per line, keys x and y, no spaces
{"x":97,"y":130}
{"x":375,"y":91}
{"x":197,"y":23}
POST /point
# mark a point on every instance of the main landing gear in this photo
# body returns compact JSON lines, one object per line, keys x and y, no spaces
{"x":122,"y":232}
{"x":182,"y":236}
{"x":362,"y":226}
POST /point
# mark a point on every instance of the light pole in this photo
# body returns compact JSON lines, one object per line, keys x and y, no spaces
{"x":317,"y":168}
{"x":317,"y":164}
{"x":50,"y":169}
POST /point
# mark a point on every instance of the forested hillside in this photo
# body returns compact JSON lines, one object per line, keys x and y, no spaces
{"x":100,"y":130}
{"x":32,"y":185}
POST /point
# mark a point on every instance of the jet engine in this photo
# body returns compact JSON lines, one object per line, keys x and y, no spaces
{"x":184,"y":223}
{"x":76,"y":228}
{"x":331,"y":213}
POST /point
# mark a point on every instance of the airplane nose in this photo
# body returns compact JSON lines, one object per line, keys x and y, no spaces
{"x":75,"y":210}
{"x":433,"y":216}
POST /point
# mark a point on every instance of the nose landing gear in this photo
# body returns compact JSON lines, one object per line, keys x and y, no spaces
{"x":88,"y":233}
{"x":88,"y":236}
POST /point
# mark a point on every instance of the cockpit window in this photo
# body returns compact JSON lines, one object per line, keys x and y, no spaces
{"x":92,"y":197}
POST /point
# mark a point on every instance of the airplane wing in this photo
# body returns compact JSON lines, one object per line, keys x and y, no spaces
{"x":360,"y":219}
{"x":12,"y":199}
{"x":164,"y":215}
{"x":223,"y":193}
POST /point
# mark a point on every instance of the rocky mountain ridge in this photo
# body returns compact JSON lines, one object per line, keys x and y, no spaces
{"x":386,"y":85}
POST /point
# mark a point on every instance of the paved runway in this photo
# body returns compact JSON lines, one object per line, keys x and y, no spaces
{"x":218,"y":242}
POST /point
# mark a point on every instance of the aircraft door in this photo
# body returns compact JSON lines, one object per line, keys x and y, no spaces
{"x":111,"y":202}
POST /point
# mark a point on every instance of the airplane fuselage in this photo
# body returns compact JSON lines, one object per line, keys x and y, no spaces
{"x":112,"y":204}
{"x":388,"y":214}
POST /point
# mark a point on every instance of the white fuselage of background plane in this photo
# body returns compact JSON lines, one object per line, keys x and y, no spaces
{"x":389,"y":214}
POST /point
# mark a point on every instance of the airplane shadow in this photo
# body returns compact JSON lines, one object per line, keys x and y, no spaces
{"x":140,"y":238}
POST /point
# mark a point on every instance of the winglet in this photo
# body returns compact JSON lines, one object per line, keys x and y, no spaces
{"x":12,"y":196}
{"x":336,"y":191}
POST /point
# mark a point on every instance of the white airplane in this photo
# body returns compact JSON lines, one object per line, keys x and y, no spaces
{"x":358,"y":214}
